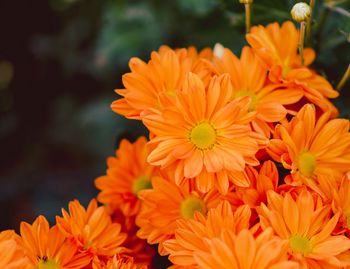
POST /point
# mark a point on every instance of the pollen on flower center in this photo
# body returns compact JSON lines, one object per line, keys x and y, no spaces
{"x":300,"y":244}
{"x":48,"y":264}
{"x":191,"y":205}
{"x":140,"y":184}
{"x":307,"y":164}
{"x":253,"y":96}
{"x":203,"y":136}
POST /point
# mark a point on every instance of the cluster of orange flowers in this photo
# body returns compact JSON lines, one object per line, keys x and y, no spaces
{"x":247,"y":166}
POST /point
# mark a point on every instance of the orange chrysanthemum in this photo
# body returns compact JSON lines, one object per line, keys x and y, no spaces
{"x":308,"y":228}
{"x":149,"y":85}
{"x":206,"y":135}
{"x":277,"y":47}
{"x":91,"y":230}
{"x":249,"y":78}
{"x":11,"y":253}
{"x":260,"y":182}
{"x":165,"y":204}
{"x":117,"y":262}
{"x":48,"y":248}
{"x":127,"y":174}
{"x":190,"y":234}
{"x":243,"y":251}
{"x":312,"y":147}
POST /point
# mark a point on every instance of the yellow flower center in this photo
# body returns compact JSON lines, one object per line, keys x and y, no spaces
{"x":48,"y":264}
{"x":203,"y":136}
{"x":307,"y":164}
{"x":300,"y":244}
{"x":191,"y":205}
{"x":140,"y":184}
{"x":171,"y":93}
{"x":253,"y":96}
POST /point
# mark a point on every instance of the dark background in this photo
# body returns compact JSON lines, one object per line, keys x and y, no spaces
{"x":61,"y":59}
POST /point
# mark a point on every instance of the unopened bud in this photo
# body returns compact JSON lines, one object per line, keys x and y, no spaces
{"x":246,"y":1}
{"x":301,"y":12}
{"x":219,"y":50}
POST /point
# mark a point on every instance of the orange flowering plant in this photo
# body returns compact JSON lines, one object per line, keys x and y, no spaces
{"x":246,"y":166}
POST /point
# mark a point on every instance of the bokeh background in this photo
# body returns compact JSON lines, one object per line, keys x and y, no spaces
{"x":61,"y":59}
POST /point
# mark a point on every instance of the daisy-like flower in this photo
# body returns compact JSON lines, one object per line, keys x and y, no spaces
{"x":262,"y":180}
{"x":243,"y":251}
{"x":91,"y":229}
{"x":48,"y":248}
{"x":206,"y":135}
{"x":128,"y":173}
{"x":12,"y":255}
{"x":154,"y":84}
{"x":190,"y":234}
{"x":165,"y":204}
{"x":312,"y":147}
{"x":249,"y":78}
{"x":117,"y":262}
{"x":277,"y":47}
{"x":307,"y":227}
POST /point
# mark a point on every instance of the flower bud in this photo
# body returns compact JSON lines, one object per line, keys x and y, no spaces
{"x":301,"y":12}
{"x":246,"y":1}
{"x":218,"y":50}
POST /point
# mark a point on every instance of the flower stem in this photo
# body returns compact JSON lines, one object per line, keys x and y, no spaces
{"x":344,"y":79}
{"x":301,"y":41}
{"x":247,"y":16}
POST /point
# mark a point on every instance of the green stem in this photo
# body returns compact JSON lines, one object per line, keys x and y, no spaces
{"x":247,"y":17}
{"x":301,"y":41}
{"x":344,"y":79}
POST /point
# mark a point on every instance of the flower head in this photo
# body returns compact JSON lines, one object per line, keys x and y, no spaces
{"x":206,"y":135}
{"x":190,"y":235}
{"x":128,"y":173}
{"x":312,"y":147}
{"x":154,"y":84}
{"x":301,"y":12}
{"x":308,"y":227}
{"x":243,"y":251}
{"x":166,"y":203}
{"x":91,"y":229}
{"x":48,"y":248}
{"x":277,"y":47}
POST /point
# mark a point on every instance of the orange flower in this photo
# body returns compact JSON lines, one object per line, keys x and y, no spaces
{"x":277,"y":47}
{"x":127,"y":174}
{"x":312,"y":148}
{"x":91,"y":230}
{"x":308,"y":228}
{"x":190,"y":234}
{"x":166,"y":203}
{"x":243,"y":251}
{"x":206,"y":135}
{"x":117,"y":262}
{"x":150,"y":85}
{"x":11,"y":253}
{"x":249,"y":78}
{"x":47,"y":247}
{"x":260,"y":182}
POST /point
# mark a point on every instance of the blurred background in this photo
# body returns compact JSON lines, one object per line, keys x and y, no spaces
{"x":61,"y":59}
